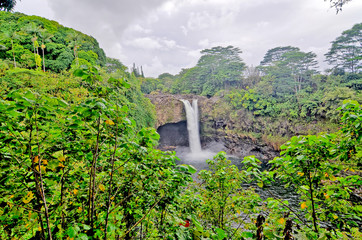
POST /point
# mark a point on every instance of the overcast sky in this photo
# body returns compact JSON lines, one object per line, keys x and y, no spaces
{"x":168,"y":35}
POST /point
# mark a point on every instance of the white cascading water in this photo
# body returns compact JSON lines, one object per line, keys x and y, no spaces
{"x":192,"y":115}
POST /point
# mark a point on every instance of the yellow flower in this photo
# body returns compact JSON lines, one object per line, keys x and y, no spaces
{"x":301,"y":174}
{"x":75,"y":191}
{"x":303,"y":205}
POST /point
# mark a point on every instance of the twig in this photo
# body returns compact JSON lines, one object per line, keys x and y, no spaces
{"x":142,"y":218}
{"x":289,"y":209}
{"x":30,"y":209}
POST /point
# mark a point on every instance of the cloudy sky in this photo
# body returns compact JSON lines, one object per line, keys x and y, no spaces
{"x":168,"y":35}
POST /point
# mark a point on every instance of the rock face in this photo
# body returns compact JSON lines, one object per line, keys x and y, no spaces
{"x":214,"y":126}
{"x":172,"y":135}
{"x":169,"y":108}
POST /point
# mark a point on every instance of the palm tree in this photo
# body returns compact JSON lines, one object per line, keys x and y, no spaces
{"x":34,"y":30}
{"x":7,"y":5}
{"x":45,"y":37}
{"x":12,"y":34}
{"x":74,"y":38}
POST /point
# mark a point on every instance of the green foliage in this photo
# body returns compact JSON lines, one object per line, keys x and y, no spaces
{"x":221,"y":202}
{"x":78,"y":166}
{"x":315,"y":166}
{"x":345,"y":52}
{"x":26,"y":34}
{"x":291,"y":68}
{"x":218,"y":68}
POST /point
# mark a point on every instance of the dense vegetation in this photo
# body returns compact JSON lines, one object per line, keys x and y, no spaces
{"x":282,"y":95}
{"x":35,"y":42}
{"x":78,"y":159}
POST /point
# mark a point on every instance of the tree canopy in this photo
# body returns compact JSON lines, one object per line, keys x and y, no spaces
{"x":338,"y":4}
{"x":7,"y":5}
{"x":36,"y":42}
{"x":345,"y":52}
{"x":218,"y":68}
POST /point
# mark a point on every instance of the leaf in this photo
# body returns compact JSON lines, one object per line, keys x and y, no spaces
{"x":71,"y":232}
{"x":79,"y":73}
{"x":102,"y":187}
{"x":62,"y":103}
{"x":109,"y":122}
{"x":191,"y":169}
{"x":332,"y":178}
{"x":197,"y":224}
{"x":303,"y":205}
{"x":86,"y":227}
{"x":220,"y":233}
{"x":281,"y":220}
{"x":58,"y":154}
{"x":188,"y":168}
{"x":29,"y":196}
{"x":36,"y":159}
{"x":247,"y":235}
{"x":100,"y":105}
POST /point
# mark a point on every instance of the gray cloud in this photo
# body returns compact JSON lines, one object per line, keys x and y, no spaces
{"x":167,"y":35}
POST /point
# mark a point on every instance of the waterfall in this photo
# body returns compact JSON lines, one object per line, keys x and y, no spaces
{"x":192,"y":115}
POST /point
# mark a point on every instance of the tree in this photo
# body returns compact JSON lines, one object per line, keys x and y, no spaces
{"x":34,"y":30}
{"x":291,"y":67}
{"x":7,"y":5}
{"x":300,"y":65}
{"x":313,"y":164}
{"x":220,"y":67}
{"x":45,"y":37}
{"x":345,"y":52}
{"x":223,"y":200}
{"x":338,"y":4}
{"x":276,"y":54}
{"x":252,"y":76}
{"x":74,"y":39}
{"x":113,"y":65}
{"x":12,"y":35}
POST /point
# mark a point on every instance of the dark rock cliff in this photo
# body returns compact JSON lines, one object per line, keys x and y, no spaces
{"x":215,"y":126}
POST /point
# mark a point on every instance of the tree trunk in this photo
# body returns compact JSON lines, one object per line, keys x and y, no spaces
{"x":43,"y":60}
{"x":12,"y":47}
{"x":312,"y":199}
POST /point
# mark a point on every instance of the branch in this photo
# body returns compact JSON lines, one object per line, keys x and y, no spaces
{"x":289,"y":209}
{"x":142,"y":218}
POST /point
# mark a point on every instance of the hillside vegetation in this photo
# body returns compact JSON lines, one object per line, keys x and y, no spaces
{"x":285,"y":95}
{"x":78,"y":159}
{"x":35,"y":42}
